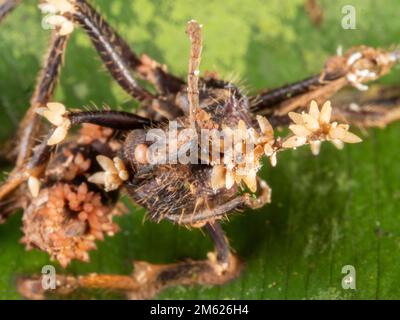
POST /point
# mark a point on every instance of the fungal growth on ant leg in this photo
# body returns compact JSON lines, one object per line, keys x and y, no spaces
{"x":69,"y":184}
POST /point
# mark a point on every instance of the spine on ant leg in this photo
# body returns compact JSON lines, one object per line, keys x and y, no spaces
{"x":100,"y":32}
{"x":6,"y":7}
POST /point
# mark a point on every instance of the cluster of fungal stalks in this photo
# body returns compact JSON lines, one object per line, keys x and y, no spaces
{"x":241,"y":160}
{"x":74,"y":164}
{"x":65,"y":220}
{"x":67,"y":215}
{"x":364,"y":65}
{"x":312,"y":127}
{"x":91,"y":132}
{"x":315,"y":126}
{"x":114,"y":173}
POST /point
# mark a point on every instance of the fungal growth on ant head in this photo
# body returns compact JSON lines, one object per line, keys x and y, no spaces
{"x":203,"y":171}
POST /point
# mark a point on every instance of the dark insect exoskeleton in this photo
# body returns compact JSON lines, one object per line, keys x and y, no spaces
{"x":214,"y":137}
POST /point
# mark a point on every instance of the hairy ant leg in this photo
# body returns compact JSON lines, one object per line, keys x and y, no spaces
{"x":356,"y":67}
{"x":35,"y":166}
{"x":145,"y":67}
{"x":120,"y":60}
{"x":30,"y":127}
{"x":377,"y":108}
{"x":220,"y":211}
{"x":149,"y":279}
{"x":119,"y":120}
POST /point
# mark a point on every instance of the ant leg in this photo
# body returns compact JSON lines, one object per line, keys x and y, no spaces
{"x":375,"y":109}
{"x":37,"y":163}
{"x":30,"y":126}
{"x":221,"y":244}
{"x":220,"y":211}
{"x":101,"y":33}
{"x":112,"y":119}
{"x":120,"y":60}
{"x":149,"y":279}
{"x":358,"y":66}
{"x":119,"y":120}
{"x":267,"y":100}
{"x":7,"y":7}
{"x":33,"y":168}
{"x":378,"y":108}
{"x":263,"y":198}
{"x":112,"y":59}
{"x":31,"y":123}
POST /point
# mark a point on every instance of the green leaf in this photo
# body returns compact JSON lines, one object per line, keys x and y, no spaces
{"x":334,"y":210}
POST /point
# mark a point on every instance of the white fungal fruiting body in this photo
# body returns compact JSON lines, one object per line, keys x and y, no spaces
{"x":62,"y":24}
{"x":57,"y":6}
{"x":360,"y":70}
{"x":56,"y":10}
{"x":56,"y":114}
{"x":242,"y":160}
{"x":310,"y":128}
{"x":33,"y":186}
{"x":315,"y":126}
{"x":114,"y":173}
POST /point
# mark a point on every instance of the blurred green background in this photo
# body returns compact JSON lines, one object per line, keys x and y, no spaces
{"x":341,"y":208}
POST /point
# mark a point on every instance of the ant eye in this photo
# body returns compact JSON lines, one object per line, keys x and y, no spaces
{"x":141,"y":151}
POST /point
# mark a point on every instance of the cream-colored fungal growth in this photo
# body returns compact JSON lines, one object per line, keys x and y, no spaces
{"x":56,"y":114}
{"x":367,"y":64}
{"x":57,"y":6}
{"x":241,"y":161}
{"x":55,"y":9}
{"x":267,"y":139}
{"x":114,"y":173}
{"x":315,"y":126}
{"x":65,"y":220}
{"x":34,"y":186}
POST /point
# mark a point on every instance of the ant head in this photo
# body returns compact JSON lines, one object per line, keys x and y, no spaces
{"x":220,"y":104}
